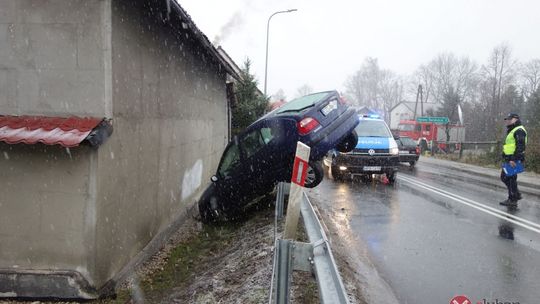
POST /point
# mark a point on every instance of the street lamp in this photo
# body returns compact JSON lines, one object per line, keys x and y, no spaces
{"x":267,"y":37}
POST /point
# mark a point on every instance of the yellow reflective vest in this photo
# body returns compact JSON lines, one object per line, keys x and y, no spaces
{"x":510,"y":143}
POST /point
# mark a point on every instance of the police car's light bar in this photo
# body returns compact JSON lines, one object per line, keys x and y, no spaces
{"x":370,"y":116}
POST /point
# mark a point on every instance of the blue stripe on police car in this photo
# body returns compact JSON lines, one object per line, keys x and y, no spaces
{"x":373,"y":143}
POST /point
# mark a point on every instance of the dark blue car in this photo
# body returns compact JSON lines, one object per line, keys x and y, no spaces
{"x":262,"y":155}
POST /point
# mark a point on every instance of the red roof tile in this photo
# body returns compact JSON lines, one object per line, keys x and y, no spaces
{"x":65,"y":131}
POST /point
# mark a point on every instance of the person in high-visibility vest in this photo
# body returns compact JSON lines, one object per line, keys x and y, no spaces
{"x":513,"y":151}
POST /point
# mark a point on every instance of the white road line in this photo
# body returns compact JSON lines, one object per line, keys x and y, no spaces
{"x":476,"y":205}
{"x":413,"y":180}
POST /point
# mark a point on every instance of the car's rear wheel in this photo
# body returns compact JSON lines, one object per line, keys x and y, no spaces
{"x":314,"y":175}
{"x":348,"y":143}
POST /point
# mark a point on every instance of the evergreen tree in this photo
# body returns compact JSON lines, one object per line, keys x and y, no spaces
{"x":449,"y":105}
{"x":449,"y":109}
{"x":477,"y":122}
{"x":533,"y":111}
{"x":532,"y":124}
{"x":250,"y":103}
{"x":512,"y":100}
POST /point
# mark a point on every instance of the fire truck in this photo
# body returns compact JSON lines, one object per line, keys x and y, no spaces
{"x":431,"y":133}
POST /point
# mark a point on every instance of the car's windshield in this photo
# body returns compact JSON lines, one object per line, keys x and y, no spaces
{"x":405,"y":127}
{"x":230,"y":160}
{"x":252,"y":142}
{"x":407,"y":141}
{"x":372,"y":128}
{"x":301,"y":103}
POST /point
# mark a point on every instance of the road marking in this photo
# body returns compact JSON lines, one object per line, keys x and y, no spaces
{"x":413,"y":180}
{"x":476,"y":205}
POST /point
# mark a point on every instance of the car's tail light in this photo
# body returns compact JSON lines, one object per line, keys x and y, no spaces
{"x":417,"y":150}
{"x":307,"y":125}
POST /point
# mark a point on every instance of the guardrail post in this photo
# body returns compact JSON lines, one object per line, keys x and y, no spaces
{"x":283,"y":275}
{"x":300,"y":167}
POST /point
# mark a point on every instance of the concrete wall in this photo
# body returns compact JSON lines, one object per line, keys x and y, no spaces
{"x":91,"y":210}
{"x":46,"y":220}
{"x":54,"y":60}
{"x":52,"y":57}
{"x":170,"y":128}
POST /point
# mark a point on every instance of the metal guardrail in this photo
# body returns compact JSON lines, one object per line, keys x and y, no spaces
{"x":461,"y":147}
{"x":478,"y":148}
{"x":330,"y":283}
{"x":315,"y":256}
{"x":485,"y":146}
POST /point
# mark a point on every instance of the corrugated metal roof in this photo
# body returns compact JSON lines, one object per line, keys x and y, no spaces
{"x":64,"y":131}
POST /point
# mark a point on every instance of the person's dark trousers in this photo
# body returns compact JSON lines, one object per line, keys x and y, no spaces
{"x":511,"y":184}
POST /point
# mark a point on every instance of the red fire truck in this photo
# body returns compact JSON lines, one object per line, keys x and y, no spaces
{"x":431,"y":133}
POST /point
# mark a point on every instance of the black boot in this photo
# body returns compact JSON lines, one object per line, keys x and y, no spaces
{"x":509,"y":203}
{"x":518,"y":196}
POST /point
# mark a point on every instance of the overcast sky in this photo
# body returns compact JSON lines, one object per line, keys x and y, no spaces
{"x":324,"y":42}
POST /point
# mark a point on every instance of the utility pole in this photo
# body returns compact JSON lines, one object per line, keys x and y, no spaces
{"x":419,"y":95}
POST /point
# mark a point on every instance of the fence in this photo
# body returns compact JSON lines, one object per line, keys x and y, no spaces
{"x":479,"y":147}
{"x":315,"y":256}
{"x":465,"y":147}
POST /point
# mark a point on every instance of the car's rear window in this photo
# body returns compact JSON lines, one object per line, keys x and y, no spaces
{"x":372,"y":128}
{"x":302,"y":102}
{"x":407,"y":141}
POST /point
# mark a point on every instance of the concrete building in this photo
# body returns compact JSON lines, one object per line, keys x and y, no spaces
{"x":76,"y":215}
{"x":405,"y":111}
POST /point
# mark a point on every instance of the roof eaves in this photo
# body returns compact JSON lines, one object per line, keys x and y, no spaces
{"x":229,"y":60}
{"x":205,"y":42}
{"x":399,"y":103}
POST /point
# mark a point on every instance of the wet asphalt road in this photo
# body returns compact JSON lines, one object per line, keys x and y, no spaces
{"x":439,"y":232}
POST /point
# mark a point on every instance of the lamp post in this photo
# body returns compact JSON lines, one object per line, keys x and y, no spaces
{"x":267,"y":37}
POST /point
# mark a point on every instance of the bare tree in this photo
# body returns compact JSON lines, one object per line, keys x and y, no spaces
{"x":304,"y":90}
{"x":530,"y":73}
{"x":498,"y":73}
{"x":279,"y":95}
{"x":363,"y":85}
{"x":465,"y":78}
{"x":354,"y":90}
{"x":441,"y":69}
{"x":424,"y":77}
{"x":446,"y":72}
{"x":390,"y":91}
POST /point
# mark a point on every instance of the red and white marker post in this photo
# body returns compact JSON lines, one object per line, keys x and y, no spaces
{"x":298,"y":179}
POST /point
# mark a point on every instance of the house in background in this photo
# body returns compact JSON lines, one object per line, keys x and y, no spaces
{"x":368,"y":111}
{"x":113,"y":117}
{"x":405,"y":111}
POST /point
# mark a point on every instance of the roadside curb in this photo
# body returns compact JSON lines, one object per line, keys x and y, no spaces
{"x":527,"y":179}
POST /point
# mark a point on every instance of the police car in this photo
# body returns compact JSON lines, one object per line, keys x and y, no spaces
{"x":376,"y":152}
